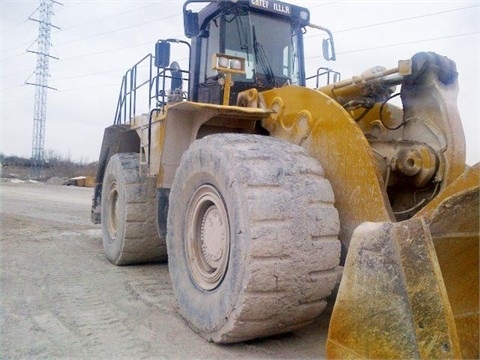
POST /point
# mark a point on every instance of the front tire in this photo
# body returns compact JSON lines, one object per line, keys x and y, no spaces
{"x":129,"y":214}
{"x":252,"y":237}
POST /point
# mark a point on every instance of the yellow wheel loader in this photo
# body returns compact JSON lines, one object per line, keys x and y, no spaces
{"x":265,"y":194}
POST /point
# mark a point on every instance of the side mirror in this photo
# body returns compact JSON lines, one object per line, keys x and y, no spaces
{"x":162,"y":54}
{"x":328,"y":49}
{"x":190,"y":23}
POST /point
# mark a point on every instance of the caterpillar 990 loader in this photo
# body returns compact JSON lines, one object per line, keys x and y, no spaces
{"x":263,"y":193}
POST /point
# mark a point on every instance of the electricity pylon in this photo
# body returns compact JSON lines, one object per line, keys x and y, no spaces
{"x":45,"y":12}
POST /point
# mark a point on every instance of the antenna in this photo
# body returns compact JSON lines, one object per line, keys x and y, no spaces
{"x":45,"y":12}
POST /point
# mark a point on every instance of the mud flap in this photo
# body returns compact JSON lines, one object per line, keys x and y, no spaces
{"x":116,"y":139}
{"x":410,"y":289}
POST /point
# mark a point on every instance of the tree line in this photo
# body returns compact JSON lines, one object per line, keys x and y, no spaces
{"x":55,"y":165}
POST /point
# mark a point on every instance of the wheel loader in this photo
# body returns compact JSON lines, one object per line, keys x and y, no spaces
{"x":266,"y":196}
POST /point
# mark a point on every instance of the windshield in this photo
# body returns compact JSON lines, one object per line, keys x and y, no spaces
{"x":268,"y":45}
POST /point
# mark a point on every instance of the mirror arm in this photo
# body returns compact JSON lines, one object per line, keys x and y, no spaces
{"x":330,"y":37}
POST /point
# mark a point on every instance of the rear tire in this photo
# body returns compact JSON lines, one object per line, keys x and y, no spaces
{"x":252,"y":237}
{"x":129,"y":213}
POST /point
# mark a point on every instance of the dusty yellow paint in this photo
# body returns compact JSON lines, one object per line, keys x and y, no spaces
{"x":174,"y":129}
{"x":329,"y":134}
{"x":392,"y":302}
{"x":454,"y":217}
{"x":409,"y":289}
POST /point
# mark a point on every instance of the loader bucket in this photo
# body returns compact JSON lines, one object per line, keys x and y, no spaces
{"x":411,"y":289}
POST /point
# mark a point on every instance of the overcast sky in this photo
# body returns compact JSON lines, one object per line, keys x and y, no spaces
{"x":100,"y":40}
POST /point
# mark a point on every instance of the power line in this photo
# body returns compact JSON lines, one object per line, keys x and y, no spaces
{"x":90,"y":74}
{"x":20,"y":73}
{"x":66,"y":90}
{"x":19,"y":23}
{"x":106,"y":51}
{"x":175,"y":15}
{"x":15,"y":48}
{"x":13,"y":57}
{"x":343,"y":30}
{"x":171,"y":16}
{"x":403,"y":19}
{"x":91,"y":22}
{"x":78,"y":3}
{"x":409,"y":42}
{"x":13,"y":87}
{"x":24,"y":21}
{"x":324,"y":4}
{"x":110,"y":16}
{"x":118,"y":29}
{"x":342,"y":52}
{"x":15,"y":100}
{"x":14,"y":26}
{"x":394,"y":21}
{"x":399,"y":44}
{"x":90,"y":87}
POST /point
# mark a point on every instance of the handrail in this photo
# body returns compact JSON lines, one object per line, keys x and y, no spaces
{"x":325,"y":71}
{"x":127,"y":103}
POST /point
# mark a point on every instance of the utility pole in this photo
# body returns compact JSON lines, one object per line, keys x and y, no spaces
{"x":45,"y":12}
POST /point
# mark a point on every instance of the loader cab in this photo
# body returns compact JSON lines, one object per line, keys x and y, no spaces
{"x":266,"y":34}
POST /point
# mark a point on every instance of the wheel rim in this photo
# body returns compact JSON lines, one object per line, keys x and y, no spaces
{"x":208,"y":238}
{"x":112,"y":211}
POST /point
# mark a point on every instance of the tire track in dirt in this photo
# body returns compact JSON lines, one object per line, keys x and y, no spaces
{"x":96,"y":316}
{"x":96,"y":324}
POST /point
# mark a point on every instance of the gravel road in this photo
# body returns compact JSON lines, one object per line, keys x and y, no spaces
{"x":60,"y":298}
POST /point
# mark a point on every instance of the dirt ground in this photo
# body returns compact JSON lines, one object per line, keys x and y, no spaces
{"x":60,"y":297}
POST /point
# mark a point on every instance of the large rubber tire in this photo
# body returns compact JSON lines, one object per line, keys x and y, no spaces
{"x":252,"y":237}
{"x":129,"y":214}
